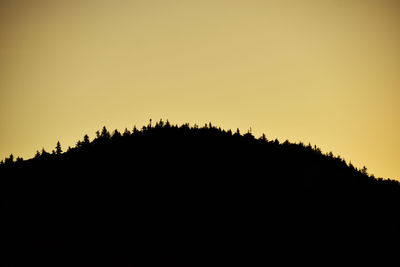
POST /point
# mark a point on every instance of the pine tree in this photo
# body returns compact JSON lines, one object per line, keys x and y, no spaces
{"x":263,"y":137}
{"x":116,"y":134}
{"x":86,"y":140}
{"x":126,"y":132}
{"x":105,"y":133}
{"x":364,"y":170}
{"x":58,"y":148}
{"x":237,"y":132}
{"x":79,"y":144}
{"x":9,"y":160}
{"x":44,"y":152}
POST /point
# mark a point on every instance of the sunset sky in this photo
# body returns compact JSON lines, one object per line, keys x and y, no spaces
{"x":320,"y":71}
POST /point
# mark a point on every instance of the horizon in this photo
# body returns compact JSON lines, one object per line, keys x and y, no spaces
{"x":153,"y":123}
{"x":319,"y":72}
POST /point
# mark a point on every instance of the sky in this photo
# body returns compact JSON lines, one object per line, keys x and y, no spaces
{"x":324,"y":72}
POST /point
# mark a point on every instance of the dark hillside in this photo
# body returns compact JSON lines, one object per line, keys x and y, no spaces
{"x":188,"y":196}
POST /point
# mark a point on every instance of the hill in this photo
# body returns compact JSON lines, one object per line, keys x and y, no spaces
{"x":169,"y":195}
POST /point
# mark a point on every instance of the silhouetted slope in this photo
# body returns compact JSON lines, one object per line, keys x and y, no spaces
{"x":181,"y":196}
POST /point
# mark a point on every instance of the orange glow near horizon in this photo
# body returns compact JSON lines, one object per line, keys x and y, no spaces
{"x":324,"y":72}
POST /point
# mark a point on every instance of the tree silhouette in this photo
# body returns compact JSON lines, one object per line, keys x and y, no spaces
{"x":105,"y":133}
{"x":237,"y":132}
{"x":116,"y":134}
{"x":364,"y":170}
{"x":9,"y":160}
{"x":44,"y":153}
{"x":263,"y":138}
{"x":86,"y":140}
{"x":79,"y":144}
{"x":126,"y":133}
{"x":58,"y":148}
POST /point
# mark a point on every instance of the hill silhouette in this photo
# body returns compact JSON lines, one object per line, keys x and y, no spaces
{"x":169,"y":195}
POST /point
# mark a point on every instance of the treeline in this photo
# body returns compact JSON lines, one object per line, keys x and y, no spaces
{"x":106,"y":138}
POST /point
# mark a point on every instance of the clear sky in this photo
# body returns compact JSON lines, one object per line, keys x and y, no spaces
{"x":318,"y":71}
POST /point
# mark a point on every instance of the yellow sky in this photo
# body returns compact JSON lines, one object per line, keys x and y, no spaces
{"x":325,"y":72}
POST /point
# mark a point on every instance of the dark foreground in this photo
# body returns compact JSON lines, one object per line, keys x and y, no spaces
{"x":180,"y":196}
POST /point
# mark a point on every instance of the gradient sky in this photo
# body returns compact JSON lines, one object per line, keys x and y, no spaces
{"x":324,"y":72}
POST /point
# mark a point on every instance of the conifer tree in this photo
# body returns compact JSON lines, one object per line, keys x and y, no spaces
{"x":58,"y":148}
{"x":10,"y":159}
{"x":86,"y":140}
{"x":126,"y":132}
{"x":105,"y":133}
{"x":44,"y":152}
{"x":263,"y":137}
{"x":116,"y":134}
